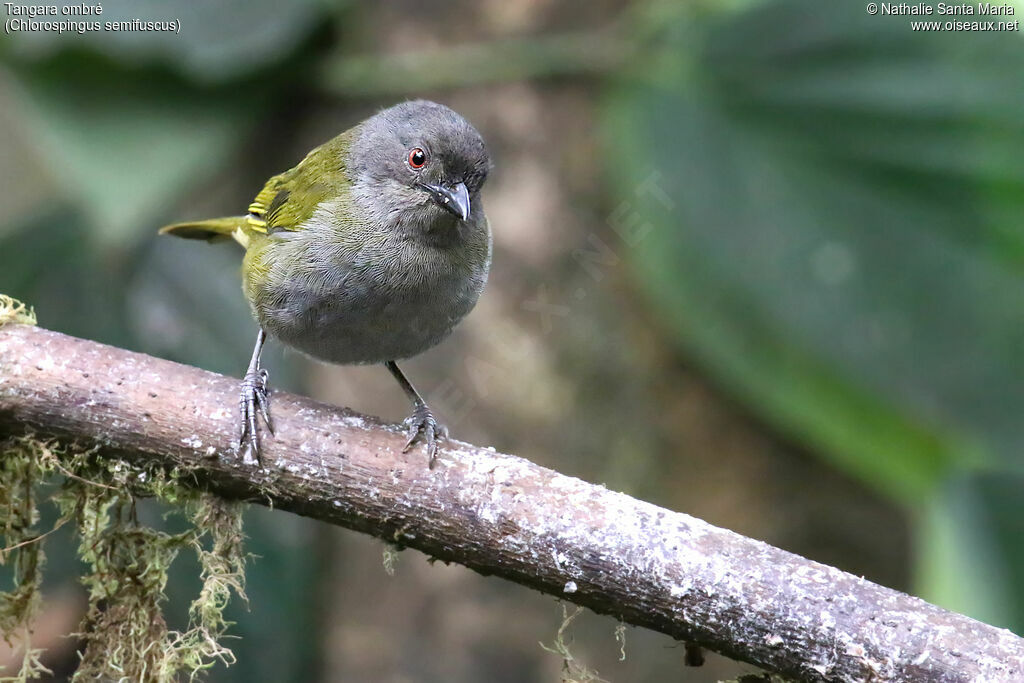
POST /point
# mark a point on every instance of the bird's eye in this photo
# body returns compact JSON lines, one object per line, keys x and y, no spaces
{"x":417,"y":158}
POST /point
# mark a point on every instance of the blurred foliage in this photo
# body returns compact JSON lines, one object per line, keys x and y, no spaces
{"x":95,"y":130}
{"x":826,"y":209}
{"x":122,"y":126}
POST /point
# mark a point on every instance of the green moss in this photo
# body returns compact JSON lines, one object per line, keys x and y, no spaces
{"x":13,"y":311}
{"x":573,"y":670}
{"x":124,"y":633}
{"x":620,"y":638}
{"x":390,"y":558}
{"x":22,"y":465}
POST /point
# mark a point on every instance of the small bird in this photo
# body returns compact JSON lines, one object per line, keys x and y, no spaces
{"x":370,"y":250}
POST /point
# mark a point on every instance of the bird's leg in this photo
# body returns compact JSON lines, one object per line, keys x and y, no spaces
{"x":254,"y":397}
{"x":421,"y":420}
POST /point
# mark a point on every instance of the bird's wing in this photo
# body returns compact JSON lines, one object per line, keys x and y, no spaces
{"x":289,"y":199}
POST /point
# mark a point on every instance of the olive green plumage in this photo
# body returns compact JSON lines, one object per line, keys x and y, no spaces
{"x":287,"y":200}
{"x":369,"y":250}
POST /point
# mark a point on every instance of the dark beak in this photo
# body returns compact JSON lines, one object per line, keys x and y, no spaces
{"x":454,"y":199}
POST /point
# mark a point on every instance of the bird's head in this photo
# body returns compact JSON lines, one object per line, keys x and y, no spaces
{"x":419,"y":165}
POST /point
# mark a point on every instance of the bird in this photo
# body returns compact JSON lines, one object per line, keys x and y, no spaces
{"x":368,"y":251}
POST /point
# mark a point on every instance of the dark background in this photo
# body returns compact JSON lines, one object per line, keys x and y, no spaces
{"x":760,"y":262}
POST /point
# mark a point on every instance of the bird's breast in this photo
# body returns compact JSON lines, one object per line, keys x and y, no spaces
{"x":383,"y":297}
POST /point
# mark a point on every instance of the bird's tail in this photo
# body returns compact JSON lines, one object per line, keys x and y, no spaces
{"x":211,"y":230}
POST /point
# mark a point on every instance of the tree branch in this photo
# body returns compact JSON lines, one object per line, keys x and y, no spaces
{"x":501,"y":515}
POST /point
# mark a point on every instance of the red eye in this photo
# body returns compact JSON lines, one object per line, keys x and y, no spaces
{"x":417,"y":158}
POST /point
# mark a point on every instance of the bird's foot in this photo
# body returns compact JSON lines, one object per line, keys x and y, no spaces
{"x":422,"y":421}
{"x":254,"y":397}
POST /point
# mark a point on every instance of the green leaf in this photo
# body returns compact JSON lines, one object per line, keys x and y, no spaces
{"x":834,"y":230}
{"x":121,"y":144}
{"x":969,"y":554}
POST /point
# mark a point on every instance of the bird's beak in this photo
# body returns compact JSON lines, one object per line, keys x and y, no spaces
{"x":454,"y":199}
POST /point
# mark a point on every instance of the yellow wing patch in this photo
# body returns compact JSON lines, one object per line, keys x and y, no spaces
{"x":270,"y":209}
{"x":288,"y":199}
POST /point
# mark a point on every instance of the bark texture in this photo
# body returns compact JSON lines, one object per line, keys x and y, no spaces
{"x":501,"y":515}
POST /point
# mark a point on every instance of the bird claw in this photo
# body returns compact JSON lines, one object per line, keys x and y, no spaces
{"x":422,"y":421}
{"x":254,"y":397}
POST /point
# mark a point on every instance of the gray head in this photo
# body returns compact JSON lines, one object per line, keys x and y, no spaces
{"x":420,"y":165}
